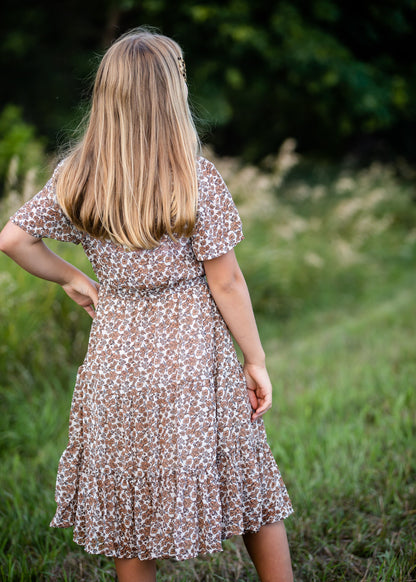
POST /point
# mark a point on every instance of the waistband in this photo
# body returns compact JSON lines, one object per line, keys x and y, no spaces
{"x":139,"y":292}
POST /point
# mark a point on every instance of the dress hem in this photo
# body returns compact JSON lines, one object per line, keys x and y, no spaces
{"x":192,"y":554}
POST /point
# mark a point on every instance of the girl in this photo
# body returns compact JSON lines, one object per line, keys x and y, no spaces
{"x":167,"y":452}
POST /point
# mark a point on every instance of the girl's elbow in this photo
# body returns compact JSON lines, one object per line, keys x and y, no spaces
{"x":7,"y":241}
{"x":7,"y":237}
{"x":12,"y":238}
{"x":4,"y":244}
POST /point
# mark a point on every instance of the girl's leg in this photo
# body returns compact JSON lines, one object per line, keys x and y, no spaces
{"x":269,"y":550}
{"x":135,"y":570}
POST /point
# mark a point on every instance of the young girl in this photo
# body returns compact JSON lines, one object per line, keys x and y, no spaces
{"x":167,"y":452}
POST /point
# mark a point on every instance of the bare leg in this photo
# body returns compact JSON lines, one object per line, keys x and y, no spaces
{"x":269,"y":550}
{"x":135,"y":570}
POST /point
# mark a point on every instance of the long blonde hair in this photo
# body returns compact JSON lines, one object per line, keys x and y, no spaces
{"x":132,"y":178}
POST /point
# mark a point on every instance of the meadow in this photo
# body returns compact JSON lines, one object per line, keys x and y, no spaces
{"x":329,"y":258}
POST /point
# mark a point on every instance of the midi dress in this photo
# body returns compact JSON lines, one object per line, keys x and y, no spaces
{"x":163,"y":460}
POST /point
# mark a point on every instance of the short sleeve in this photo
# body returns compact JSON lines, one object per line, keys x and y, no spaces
{"x":43,"y":217}
{"x":218,"y":226}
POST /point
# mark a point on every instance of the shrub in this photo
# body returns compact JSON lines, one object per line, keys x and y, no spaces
{"x":22,"y":154}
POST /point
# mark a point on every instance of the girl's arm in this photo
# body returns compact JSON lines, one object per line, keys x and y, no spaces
{"x":34,"y":256}
{"x":229,"y":290}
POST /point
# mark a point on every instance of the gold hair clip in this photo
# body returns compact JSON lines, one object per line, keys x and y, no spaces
{"x":182,"y":68}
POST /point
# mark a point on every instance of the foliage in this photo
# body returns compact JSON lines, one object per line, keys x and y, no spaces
{"x":21,"y":152}
{"x":329,"y":73}
{"x":338,"y":328}
{"x":325,"y":231}
{"x":342,"y":430}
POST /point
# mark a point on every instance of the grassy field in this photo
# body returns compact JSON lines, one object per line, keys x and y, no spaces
{"x":330,"y":261}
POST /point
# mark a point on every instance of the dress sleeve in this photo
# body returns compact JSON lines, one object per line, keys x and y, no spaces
{"x":218,"y":226}
{"x":43,"y":217}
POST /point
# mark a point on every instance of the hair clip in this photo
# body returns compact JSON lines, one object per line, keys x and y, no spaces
{"x":182,"y":68}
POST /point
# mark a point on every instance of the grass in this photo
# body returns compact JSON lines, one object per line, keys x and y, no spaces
{"x":338,"y":325}
{"x":345,"y":437}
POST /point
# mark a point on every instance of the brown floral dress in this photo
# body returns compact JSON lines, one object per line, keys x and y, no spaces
{"x":163,"y":459}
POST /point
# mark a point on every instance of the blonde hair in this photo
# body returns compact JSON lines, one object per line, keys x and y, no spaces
{"x":132,"y":178}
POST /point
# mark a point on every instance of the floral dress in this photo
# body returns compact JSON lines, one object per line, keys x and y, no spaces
{"x":163,"y":459}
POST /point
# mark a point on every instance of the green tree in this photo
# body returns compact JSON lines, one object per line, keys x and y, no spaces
{"x":326,"y":72}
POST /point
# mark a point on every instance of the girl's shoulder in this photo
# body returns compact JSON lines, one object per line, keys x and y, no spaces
{"x":212,"y":189}
{"x":209,"y":177}
{"x":218,"y":228}
{"x":203,"y":165}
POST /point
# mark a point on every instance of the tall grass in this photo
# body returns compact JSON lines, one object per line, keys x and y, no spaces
{"x":329,"y":258}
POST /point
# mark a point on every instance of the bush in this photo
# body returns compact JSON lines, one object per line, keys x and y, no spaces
{"x":21,"y":153}
{"x":318,"y":237}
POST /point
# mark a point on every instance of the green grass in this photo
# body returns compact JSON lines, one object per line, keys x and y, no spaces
{"x":339,"y":335}
{"x":344,"y":430}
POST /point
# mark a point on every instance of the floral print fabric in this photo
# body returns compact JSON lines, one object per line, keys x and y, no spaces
{"x":163,"y":459}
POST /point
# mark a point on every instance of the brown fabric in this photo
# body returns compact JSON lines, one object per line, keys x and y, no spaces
{"x":163,"y":459}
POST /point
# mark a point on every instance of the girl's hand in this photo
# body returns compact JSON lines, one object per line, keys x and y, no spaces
{"x":83,"y":291}
{"x":259,"y":389}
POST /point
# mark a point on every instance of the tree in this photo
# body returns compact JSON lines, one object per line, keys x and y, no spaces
{"x":326,"y":72}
